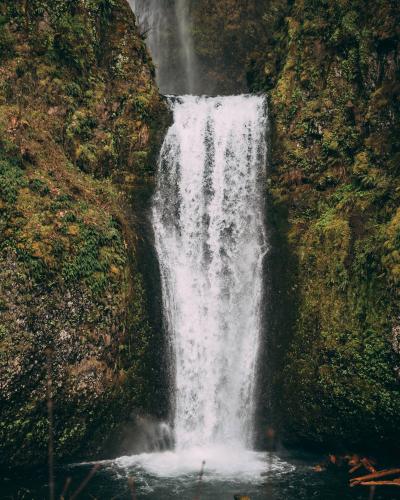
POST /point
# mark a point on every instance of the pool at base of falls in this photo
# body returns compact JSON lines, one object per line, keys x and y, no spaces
{"x":176,"y":476}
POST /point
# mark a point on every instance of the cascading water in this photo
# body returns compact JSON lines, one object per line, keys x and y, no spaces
{"x":186,"y":45}
{"x":210,"y":238}
{"x":166,"y":26}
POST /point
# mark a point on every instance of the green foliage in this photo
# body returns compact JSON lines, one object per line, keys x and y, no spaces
{"x":96,"y":252}
{"x":67,"y":267}
{"x":335,"y":143}
{"x":72,"y":43}
{"x":35,"y":267}
{"x":72,"y":89}
{"x":6,"y":40}
{"x":82,"y":125}
{"x":11,"y":179}
{"x":39,"y":186}
{"x":141,"y":106}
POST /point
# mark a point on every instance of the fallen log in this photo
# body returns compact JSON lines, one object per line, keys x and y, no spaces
{"x":355,"y":468}
{"x":374,"y":475}
{"x":368,"y":465}
{"x":395,"y":482}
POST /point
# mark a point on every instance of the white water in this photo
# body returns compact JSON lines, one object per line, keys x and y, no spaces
{"x":221,"y":463}
{"x":210,"y":238}
{"x":167,"y":28}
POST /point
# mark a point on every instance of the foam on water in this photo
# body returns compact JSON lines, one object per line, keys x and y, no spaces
{"x":221,"y":463}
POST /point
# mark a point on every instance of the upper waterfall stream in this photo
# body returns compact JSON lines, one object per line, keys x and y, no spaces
{"x":166,"y":26}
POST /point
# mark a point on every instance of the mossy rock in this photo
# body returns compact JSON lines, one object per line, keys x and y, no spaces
{"x":74,"y":306}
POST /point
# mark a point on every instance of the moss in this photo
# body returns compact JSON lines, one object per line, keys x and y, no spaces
{"x":67,"y":250}
{"x":335,"y":117}
{"x":226,"y":40}
{"x":6,"y":40}
{"x":391,"y":257}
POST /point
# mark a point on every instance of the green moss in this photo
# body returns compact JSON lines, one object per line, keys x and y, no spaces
{"x":67,"y":252}
{"x":335,"y":121}
{"x":6,"y":40}
{"x":11,"y":180}
{"x":96,"y":253}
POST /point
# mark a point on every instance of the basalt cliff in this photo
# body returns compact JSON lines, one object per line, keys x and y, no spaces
{"x":81,"y":123}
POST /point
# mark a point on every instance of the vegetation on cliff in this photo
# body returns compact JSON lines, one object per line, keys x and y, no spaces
{"x":80,"y":118}
{"x":227,"y":36}
{"x":79,"y":115}
{"x":335,"y":102}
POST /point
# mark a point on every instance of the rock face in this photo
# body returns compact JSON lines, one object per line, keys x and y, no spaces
{"x":333,"y":78}
{"x":228,"y":37}
{"x":80,"y":120}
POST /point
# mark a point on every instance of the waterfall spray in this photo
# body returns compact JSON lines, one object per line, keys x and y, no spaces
{"x":210,"y":237}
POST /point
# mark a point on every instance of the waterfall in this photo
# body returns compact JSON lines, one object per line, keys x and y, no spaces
{"x":210,"y":238}
{"x":186,"y":45}
{"x":167,"y":29}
